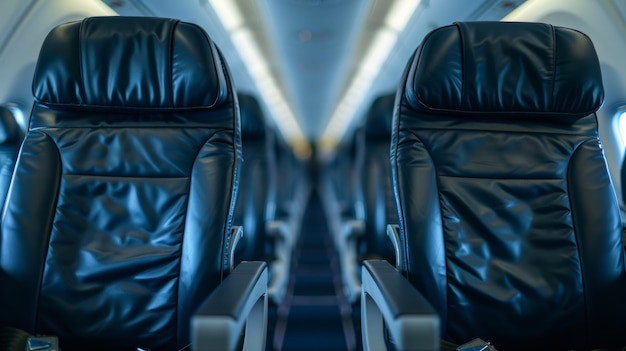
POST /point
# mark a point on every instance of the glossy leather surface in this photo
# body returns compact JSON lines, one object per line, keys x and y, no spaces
{"x":468,"y":68}
{"x":11,"y":136}
{"x":111,"y":67}
{"x":10,"y":132}
{"x":509,"y":222}
{"x":120,"y":216}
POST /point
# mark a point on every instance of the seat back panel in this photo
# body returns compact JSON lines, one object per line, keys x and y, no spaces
{"x":118,"y":222}
{"x":509,"y":222}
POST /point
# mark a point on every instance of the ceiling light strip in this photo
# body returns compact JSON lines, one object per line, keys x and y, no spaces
{"x":384,"y":40}
{"x":248,"y":50}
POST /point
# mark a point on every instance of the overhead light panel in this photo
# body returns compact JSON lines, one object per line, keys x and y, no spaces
{"x":400,"y":14}
{"x":256,"y":64}
{"x":385,"y":39}
{"x":228,"y":13}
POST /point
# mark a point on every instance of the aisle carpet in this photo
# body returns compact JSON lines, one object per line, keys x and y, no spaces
{"x":314,"y":315}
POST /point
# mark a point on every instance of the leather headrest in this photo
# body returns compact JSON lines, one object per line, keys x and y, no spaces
{"x":10,"y":131}
{"x":505,"y":68}
{"x":129,"y":62}
{"x":252,"y":120}
{"x":378,"y":120}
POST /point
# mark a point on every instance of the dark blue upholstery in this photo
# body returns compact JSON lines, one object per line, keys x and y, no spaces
{"x":470,"y":69}
{"x":256,"y":184}
{"x":346,"y":179}
{"x":509,"y":223}
{"x":11,"y":136}
{"x":119,"y":222}
{"x":111,"y":66}
{"x":375,"y":173}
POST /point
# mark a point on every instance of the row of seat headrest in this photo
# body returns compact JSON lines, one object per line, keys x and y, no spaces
{"x":520,"y":68}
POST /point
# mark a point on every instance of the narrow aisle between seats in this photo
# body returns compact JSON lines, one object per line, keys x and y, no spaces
{"x":315,"y":314}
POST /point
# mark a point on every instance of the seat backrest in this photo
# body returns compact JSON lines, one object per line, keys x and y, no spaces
{"x":509,"y":222}
{"x":341,"y":173}
{"x":11,"y":136}
{"x":257,"y":182}
{"x":375,"y":173}
{"x":293,"y":181}
{"x":118,"y":220}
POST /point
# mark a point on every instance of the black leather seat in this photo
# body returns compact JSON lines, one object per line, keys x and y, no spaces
{"x":11,"y":136}
{"x":361,"y":177}
{"x":342,"y":196}
{"x":293,"y":183}
{"x":118,"y":225}
{"x":375,"y":172}
{"x":293,"y":186}
{"x":256,"y":181}
{"x":339,"y":182}
{"x":509,"y":224}
{"x":266,"y":236}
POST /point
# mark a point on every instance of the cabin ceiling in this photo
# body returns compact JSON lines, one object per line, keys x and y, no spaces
{"x":313,"y":47}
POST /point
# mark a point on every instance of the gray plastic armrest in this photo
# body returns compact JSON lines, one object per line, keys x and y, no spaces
{"x":411,"y":322}
{"x":240,"y":300}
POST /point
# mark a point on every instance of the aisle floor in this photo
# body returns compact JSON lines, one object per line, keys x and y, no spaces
{"x":314,"y":314}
